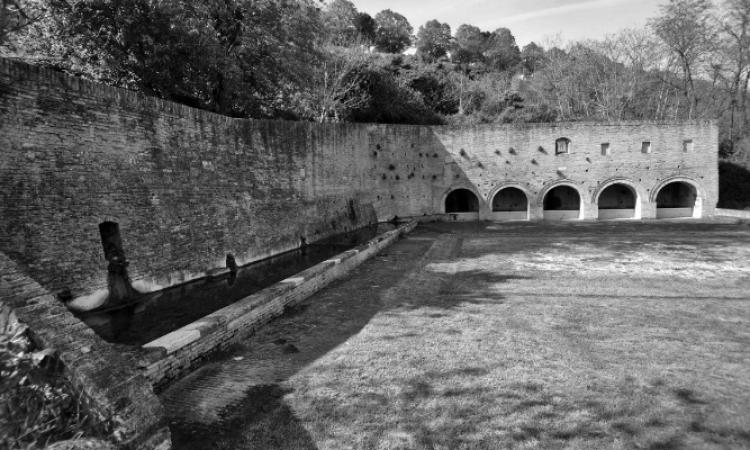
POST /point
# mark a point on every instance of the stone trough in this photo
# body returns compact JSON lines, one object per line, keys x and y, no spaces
{"x":175,"y":353}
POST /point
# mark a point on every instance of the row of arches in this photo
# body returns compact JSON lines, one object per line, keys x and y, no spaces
{"x":564,"y":202}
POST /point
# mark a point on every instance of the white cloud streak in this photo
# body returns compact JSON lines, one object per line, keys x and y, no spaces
{"x":558,"y":10}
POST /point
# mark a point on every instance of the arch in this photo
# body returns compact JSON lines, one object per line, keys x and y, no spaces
{"x":618,"y":198}
{"x":562,"y":201}
{"x":461,"y":200}
{"x":510,"y":202}
{"x":677,"y":197}
{"x":666,"y":181}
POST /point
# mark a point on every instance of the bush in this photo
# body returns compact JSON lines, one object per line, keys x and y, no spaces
{"x":37,"y":406}
{"x":734,"y":186}
{"x":390,"y":102}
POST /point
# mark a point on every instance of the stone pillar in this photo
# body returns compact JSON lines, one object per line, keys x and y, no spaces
{"x":590,"y":211}
{"x":536,"y":212}
{"x":648,"y":209}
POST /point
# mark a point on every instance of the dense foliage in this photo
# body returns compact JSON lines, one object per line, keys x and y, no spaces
{"x":297,"y":59}
{"x":37,"y":407}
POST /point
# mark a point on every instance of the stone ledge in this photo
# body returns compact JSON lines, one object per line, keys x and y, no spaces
{"x":179,"y":350}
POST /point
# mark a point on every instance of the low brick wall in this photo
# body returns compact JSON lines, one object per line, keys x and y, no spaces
{"x":175,"y":353}
{"x":116,"y":394}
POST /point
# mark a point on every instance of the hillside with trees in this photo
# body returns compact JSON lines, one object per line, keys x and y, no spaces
{"x":300,"y":60}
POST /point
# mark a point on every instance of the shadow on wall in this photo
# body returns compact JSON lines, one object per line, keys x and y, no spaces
{"x":734,"y":186}
{"x":411,"y":173}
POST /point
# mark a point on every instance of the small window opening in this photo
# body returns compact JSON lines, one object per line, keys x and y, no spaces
{"x":646,"y":147}
{"x":562,"y":146}
{"x":605,"y":149}
{"x":687,"y":145}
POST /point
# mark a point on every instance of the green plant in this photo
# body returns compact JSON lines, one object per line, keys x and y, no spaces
{"x":37,"y":405}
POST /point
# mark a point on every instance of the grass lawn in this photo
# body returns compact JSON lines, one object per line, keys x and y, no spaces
{"x":626,"y":335}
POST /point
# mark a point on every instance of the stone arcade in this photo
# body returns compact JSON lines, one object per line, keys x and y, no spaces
{"x":186,"y":187}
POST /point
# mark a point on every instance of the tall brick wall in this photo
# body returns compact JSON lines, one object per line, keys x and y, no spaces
{"x":187,"y":187}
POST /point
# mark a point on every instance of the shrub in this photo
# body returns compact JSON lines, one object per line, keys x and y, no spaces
{"x":390,"y":102}
{"x":734,"y":186}
{"x":37,"y":405}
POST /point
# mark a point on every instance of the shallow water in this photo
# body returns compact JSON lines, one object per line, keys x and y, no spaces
{"x":158,"y":313}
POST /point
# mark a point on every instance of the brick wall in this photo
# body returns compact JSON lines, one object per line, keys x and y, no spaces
{"x":186,"y":187}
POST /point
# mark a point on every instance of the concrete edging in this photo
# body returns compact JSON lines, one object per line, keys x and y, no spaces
{"x":175,"y":353}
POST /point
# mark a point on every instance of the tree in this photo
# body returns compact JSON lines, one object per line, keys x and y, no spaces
{"x":366,"y":27}
{"x":686,"y":28}
{"x":470,"y":44}
{"x":236,"y":57}
{"x":735,"y":47}
{"x":337,"y":89}
{"x":340,"y":20}
{"x":393,"y":33}
{"x":501,"y":51}
{"x":15,"y":15}
{"x":433,"y":40}
{"x":532,"y":57}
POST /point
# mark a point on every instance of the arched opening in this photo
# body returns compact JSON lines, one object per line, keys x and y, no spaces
{"x":617,"y":201}
{"x":562,"y":203}
{"x":461,"y":201}
{"x":510,"y":204}
{"x":676,"y":199}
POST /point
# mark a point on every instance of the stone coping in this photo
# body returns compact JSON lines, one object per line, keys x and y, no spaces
{"x":174,"y":353}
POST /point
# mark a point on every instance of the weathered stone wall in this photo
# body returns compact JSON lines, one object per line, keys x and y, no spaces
{"x":187,"y":187}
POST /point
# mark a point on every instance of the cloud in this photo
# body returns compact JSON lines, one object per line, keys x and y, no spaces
{"x":557,"y":10}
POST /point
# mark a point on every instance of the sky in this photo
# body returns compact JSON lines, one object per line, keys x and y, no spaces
{"x":528,"y":20}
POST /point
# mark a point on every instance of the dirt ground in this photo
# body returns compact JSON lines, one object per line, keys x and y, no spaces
{"x":586,"y":335}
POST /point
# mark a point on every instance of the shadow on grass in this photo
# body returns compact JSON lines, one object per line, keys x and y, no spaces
{"x":273,"y":426}
{"x":521,"y":414}
{"x":262,"y":419}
